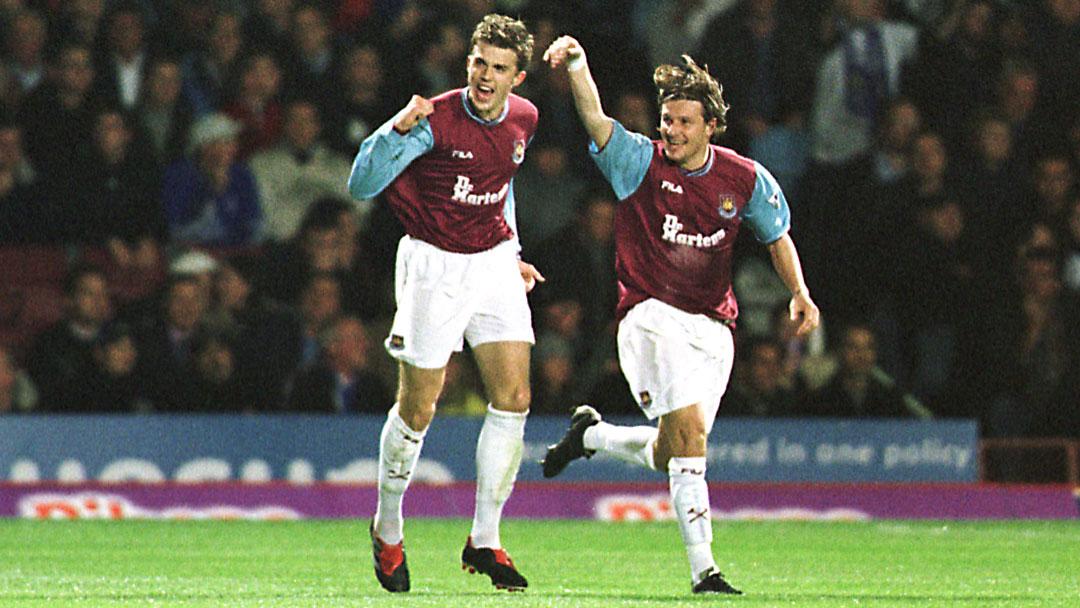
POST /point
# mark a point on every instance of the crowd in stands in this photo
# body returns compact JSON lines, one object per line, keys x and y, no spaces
{"x":176,"y":235}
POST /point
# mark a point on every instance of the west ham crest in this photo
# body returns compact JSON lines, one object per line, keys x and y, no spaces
{"x":519,"y":151}
{"x":727,"y":206}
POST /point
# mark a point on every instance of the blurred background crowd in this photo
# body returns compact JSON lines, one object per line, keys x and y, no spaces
{"x":176,"y":234}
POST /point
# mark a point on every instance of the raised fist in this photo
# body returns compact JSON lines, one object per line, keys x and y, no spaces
{"x":416,"y":110}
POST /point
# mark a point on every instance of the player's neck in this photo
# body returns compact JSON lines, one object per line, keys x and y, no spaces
{"x":696,"y":162}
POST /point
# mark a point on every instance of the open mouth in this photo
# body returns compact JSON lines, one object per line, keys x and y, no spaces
{"x":483,"y":93}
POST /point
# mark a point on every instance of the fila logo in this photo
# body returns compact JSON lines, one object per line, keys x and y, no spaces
{"x":670,"y":187}
{"x":463,"y":154}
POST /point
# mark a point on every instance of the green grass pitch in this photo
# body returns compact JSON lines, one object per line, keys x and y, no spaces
{"x":568,"y":563}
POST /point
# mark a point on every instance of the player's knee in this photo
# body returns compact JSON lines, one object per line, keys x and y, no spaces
{"x":416,"y":413}
{"x":512,"y":399}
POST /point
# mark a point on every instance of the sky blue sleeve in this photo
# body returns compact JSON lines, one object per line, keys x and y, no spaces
{"x":510,"y":213}
{"x":624,"y":160}
{"x":767,"y":212}
{"x":384,"y":155}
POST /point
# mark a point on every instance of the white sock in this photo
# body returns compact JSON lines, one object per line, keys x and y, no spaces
{"x":690,"y":500}
{"x":399,"y":451}
{"x":634,"y":444}
{"x":498,"y":457}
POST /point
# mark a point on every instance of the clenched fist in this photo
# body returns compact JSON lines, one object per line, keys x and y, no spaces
{"x":416,"y":110}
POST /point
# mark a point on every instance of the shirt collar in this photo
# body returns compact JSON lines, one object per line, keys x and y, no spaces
{"x":469,"y":110}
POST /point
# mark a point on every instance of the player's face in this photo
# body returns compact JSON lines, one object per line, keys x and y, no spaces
{"x":685,"y":133}
{"x":492,"y":74}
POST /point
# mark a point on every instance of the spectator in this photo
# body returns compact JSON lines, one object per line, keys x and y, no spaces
{"x":1018,"y":89}
{"x":216,"y":384}
{"x":61,"y":354}
{"x":1071,"y":241}
{"x":1056,"y":50}
{"x":948,"y":79}
{"x":549,"y":191}
{"x":759,"y":387}
{"x":991,"y":187}
{"x":121,"y":71}
{"x":857,"y":79}
{"x":579,"y":260}
{"x":57,"y":118}
{"x":17,"y":392}
{"x":1054,"y":187}
{"x":297,"y":172}
{"x":360,"y":101}
{"x":114,"y":200}
{"x":313,"y":60}
{"x":164,"y":116}
{"x":210,"y":196}
{"x":267,"y":25}
{"x":764,"y":64}
{"x":79,"y":21}
{"x":1026,"y":349}
{"x":444,"y":47}
{"x":254,"y":103}
{"x":211,"y":69}
{"x":268,"y":335}
{"x":934,"y":269}
{"x":859,"y":388}
{"x":111,"y":384}
{"x":327,"y":242}
{"x":806,"y":360}
{"x":553,"y":375}
{"x":342,"y":381}
{"x":25,"y":34}
{"x":165,"y":342}
{"x":892,"y":155}
{"x":319,"y":303}
{"x":25,"y":216}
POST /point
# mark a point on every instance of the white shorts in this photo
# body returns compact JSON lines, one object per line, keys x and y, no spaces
{"x":673,"y":359}
{"x":444,"y":298}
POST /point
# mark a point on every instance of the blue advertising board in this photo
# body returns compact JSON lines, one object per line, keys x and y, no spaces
{"x":305,"y":449}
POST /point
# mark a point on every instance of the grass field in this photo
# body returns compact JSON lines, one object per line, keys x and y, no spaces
{"x":568,"y":563}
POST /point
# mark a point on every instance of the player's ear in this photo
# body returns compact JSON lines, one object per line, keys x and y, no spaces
{"x":520,"y":78}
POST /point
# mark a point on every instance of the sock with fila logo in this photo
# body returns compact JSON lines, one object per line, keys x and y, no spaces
{"x":399,"y":451}
{"x":690,"y":501}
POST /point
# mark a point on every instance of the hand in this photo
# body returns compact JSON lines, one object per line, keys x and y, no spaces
{"x":530,"y":275}
{"x":562,"y":51}
{"x":802,"y":306}
{"x":416,"y":110}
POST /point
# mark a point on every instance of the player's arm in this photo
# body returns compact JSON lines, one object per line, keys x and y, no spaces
{"x":769,"y":217}
{"x":785,"y":260}
{"x":389,"y":149}
{"x":569,"y":52}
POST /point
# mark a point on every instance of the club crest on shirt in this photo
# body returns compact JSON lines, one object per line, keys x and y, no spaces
{"x":727,"y":206}
{"x":519,"y":151}
{"x":397,"y":342}
{"x":645,"y":398}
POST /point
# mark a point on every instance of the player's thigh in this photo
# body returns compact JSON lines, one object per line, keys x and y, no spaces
{"x":672,"y":359}
{"x":504,"y":368}
{"x":434,"y":305}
